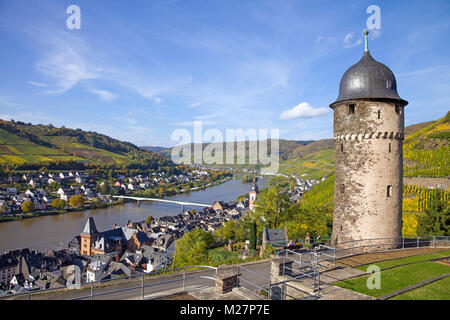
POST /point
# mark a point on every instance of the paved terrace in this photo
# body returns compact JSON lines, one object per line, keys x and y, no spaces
{"x":201,"y":288}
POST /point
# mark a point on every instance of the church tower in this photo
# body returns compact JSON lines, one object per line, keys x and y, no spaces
{"x":88,"y":237}
{"x":368,"y":136}
{"x":253,"y":194}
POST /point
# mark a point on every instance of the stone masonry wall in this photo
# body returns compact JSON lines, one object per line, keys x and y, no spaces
{"x":369,"y":158}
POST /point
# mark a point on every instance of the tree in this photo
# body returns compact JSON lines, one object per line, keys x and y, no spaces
{"x":149,"y":220}
{"x":27,"y":206}
{"x":105,"y":189}
{"x":252,"y":236}
{"x":192,"y":248}
{"x":271,"y":208}
{"x":436,"y":220}
{"x":76,"y":201}
{"x":59,"y":203}
{"x":226,"y":231}
{"x":315,"y":221}
{"x":54,"y":186}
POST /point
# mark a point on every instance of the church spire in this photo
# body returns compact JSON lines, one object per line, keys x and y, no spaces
{"x":366,"y":47}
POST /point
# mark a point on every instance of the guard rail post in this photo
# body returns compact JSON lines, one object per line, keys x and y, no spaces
{"x":184,"y":279}
{"x":238,"y":274}
{"x":143,"y":288}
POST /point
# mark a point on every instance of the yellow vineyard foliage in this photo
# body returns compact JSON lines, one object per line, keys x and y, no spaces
{"x":410,"y":222}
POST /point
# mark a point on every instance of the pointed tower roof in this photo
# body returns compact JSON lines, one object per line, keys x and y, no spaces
{"x":90,"y":228}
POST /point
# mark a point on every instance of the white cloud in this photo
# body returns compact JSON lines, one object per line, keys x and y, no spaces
{"x":104,"y":95}
{"x":320,"y":38}
{"x":7,"y":102}
{"x":37,"y":84}
{"x":303,"y":110}
{"x":66,"y":66}
{"x":196,"y":104}
{"x":348,"y":40}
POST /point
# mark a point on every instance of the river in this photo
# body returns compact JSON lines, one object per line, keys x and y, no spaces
{"x":55,"y":232}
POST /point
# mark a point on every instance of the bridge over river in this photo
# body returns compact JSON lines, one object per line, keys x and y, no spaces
{"x":182,"y":203}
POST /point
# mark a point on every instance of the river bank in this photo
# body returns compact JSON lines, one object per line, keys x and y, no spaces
{"x":100,"y":205}
{"x":54,"y":231}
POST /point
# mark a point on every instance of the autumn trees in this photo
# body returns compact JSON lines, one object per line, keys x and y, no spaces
{"x":76,"y":201}
{"x":192,"y":248}
{"x":27,"y":206}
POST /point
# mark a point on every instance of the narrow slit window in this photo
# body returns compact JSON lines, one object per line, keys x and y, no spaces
{"x":379,"y":114}
{"x":388,"y":84}
{"x":351,"y":108}
{"x":342,"y":147}
{"x":389,"y":191}
{"x":390,"y":147}
{"x":398,"y":110}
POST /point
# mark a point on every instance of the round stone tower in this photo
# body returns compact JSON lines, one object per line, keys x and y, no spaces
{"x":368,"y":135}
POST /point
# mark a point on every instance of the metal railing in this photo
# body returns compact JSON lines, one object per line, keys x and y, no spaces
{"x":142,"y":286}
{"x":262,"y":288}
{"x":309,"y":267}
{"x":350,"y":248}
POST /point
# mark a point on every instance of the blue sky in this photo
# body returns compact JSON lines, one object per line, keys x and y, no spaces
{"x":138,"y":70}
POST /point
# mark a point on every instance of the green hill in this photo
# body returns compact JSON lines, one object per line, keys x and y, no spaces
{"x":27,"y":146}
{"x":426,"y":150}
{"x":287,"y":149}
{"x":426,"y":153}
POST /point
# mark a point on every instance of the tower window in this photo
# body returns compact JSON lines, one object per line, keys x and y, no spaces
{"x":342,"y":147}
{"x":379,"y":114}
{"x":390,"y":147}
{"x":389,"y":191}
{"x":351,"y":108}
{"x":398,"y":110}
{"x":388,"y":84}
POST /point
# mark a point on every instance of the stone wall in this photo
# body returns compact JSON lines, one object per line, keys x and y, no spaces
{"x":369,"y":170}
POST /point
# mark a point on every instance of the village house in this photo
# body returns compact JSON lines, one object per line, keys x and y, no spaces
{"x":94,"y":242}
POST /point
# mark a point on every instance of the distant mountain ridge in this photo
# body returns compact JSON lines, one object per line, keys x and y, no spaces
{"x":426,"y":153}
{"x":25,"y":145}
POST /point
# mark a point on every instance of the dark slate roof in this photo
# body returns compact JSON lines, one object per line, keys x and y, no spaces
{"x":142,"y":237}
{"x":114,"y":234}
{"x":275,"y":235}
{"x":368,"y":79}
{"x":90,"y":227}
{"x":6,"y":261}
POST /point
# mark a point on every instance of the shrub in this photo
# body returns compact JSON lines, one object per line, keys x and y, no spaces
{"x":59,"y":203}
{"x":76,"y":201}
{"x":28,"y":206}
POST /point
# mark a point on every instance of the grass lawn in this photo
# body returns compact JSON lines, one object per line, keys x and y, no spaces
{"x":396,"y":278}
{"x":401,"y":261}
{"x":439,"y":290}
